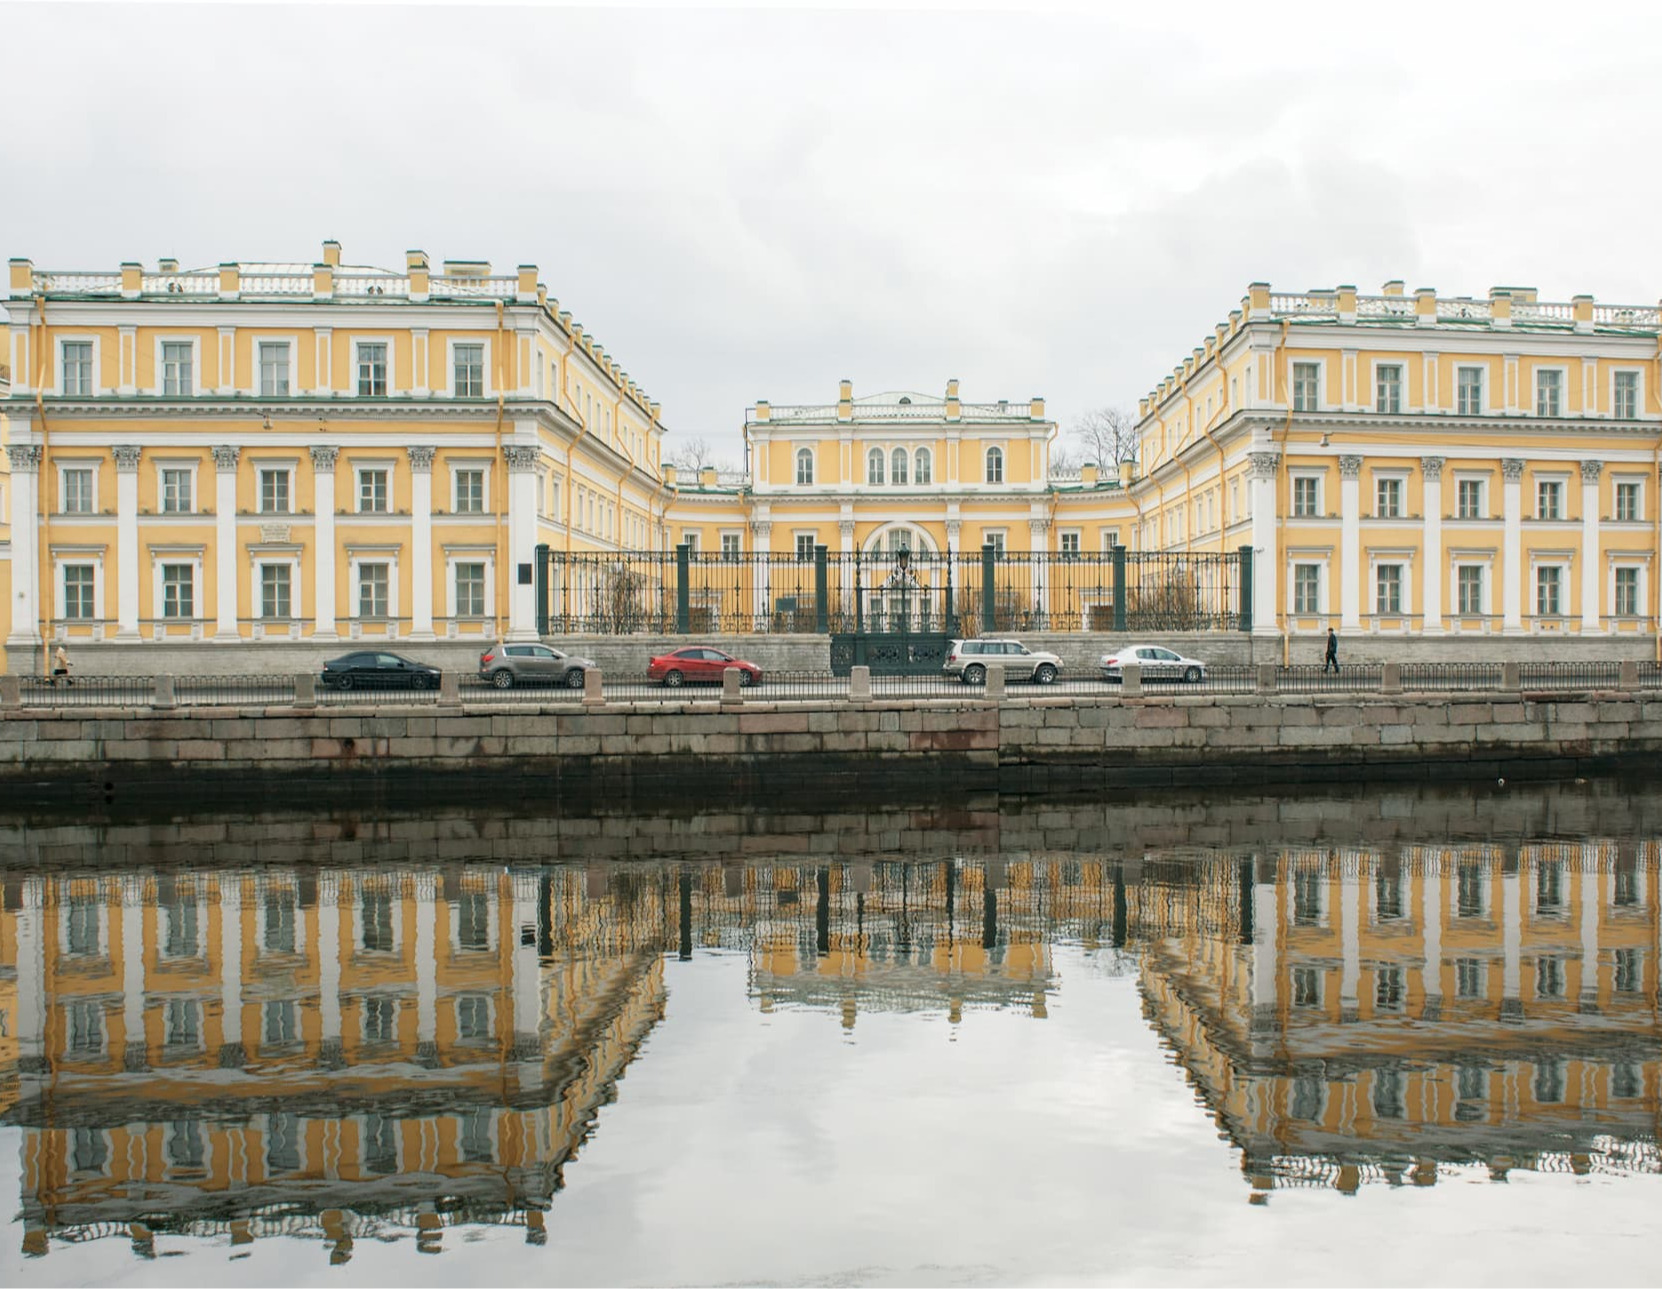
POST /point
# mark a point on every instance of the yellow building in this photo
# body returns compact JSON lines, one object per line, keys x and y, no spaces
{"x":1418,"y":465}
{"x":308,"y":451}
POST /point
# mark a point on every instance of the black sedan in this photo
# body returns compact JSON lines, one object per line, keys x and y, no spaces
{"x":377,"y":669}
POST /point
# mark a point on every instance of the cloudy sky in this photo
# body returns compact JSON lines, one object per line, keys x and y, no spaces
{"x":1055,"y":199}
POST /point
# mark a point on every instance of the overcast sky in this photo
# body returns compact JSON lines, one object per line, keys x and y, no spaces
{"x":755,"y":202}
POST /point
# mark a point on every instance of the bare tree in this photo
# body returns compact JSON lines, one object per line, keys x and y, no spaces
{"x":697,"y":454}
{"x":1106,"y":436}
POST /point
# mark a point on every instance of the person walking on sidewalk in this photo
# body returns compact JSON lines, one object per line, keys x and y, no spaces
{"x":1331,"y":661}
{"x":60,"y":666}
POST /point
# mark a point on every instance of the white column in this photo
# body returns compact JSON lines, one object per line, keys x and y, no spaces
{"x":527,"y":975}
{"x":1432,"y":973}
{"x":522,"y":539}
{"x":421,"y":540}
{"x":1350,"y":543}
{"x":1432,"y":470}
{"x":426,"y":964}
{"x":1266,"y":976}
{"x":1511,"y":920}
{"x":1592,"y":563}
{"x":231,"y":1051}
{"x":761,"y":540}
{"x":31,"y":977}
{"x":1512,"y":570}
{"x":1038,"y":544}
{"x":126,"y":541}
{"x":1350,"y":937}
{"x":1266,"y":559}
{"x":25,"y":560}
{"x":328,"y":966}
{"x":845,"y":534}
{"x":323,"y":541}
{"x":225,"y":541}
{"x":1590,"y":904}
{"x":136,"y":1056}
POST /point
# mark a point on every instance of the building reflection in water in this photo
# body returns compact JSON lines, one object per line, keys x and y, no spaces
{"x":365,"y":1052}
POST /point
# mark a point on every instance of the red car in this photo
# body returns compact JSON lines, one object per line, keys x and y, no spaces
{"x":698,"y":664}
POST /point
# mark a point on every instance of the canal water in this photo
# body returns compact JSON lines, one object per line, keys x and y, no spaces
{"x":1352,"y":1037}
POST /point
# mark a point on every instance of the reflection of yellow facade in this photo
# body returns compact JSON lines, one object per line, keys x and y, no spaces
{"x":1375,"y":1014}
{"x":309,"y":451}
{"x":1416,"y":464}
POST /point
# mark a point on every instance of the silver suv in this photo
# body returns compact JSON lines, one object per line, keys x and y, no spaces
{"x":968,"y":660}
{"x":507,"y":665}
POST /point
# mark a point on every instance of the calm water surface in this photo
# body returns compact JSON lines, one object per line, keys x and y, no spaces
{"x":1347,"y":1038}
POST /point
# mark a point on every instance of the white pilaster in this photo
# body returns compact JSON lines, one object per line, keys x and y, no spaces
{"x":328,"y":958}
{"x":127,"y":541}
{"x":845,"y":535}
{"x":1511,"y":920}
{"x":1266,"y":976}
{"x":522,"y":539}
{"x":1512,"y":571}
{"x":1350,"y":936}
{"x":230,"y":960}
{"x":225,"y":541}
{"x":1591,"y":562}
{"x":1432,"y":974}
{"x":527,"y":977}
{"x":132,"y":964}
{"x":1266,"y":559}
{"x":1432,"y":469}
{"x":761,"y":541}
{"x":421,"y":540}
{"x":31,"y":976}
{"x":323,"y":541}
{"x":426,"y":960}
{"x":1589,"y":866}
{"x":1350,"y":543}
{"x":25,"y":561}
{"x":1039,"y":541}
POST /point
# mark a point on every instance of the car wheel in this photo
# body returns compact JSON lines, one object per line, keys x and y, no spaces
{"x":1191,"y":676}
{"x":502,"y":678}
{"x":421,"y":680}
{"x":672,"y":679}
{"x":345,"y":681}
{"x":746,"y":680}
{"x":1046,"y":674}
{"x":975,"y":674}
{"x":574,"y":678}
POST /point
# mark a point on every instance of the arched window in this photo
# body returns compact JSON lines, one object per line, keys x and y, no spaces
{"x":874,"y":466}
{"x":923,"y":473}
{"x":995,"y":465}
{"x":897,"y":466}
{"x":804,"y":465}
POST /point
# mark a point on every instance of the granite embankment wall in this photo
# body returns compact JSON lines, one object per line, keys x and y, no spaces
{"x":709,"y":750}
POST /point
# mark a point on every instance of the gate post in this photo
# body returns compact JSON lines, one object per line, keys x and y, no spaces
{"x":951,"y":625}
{"x":1119,"y":588}
{"x":539,"y":584}
{"x":683,"y":590}
{"x":822,"y":611}
{"x":859,"y":604}
{"x":1246,"y":588}
{"x":989,"y":587}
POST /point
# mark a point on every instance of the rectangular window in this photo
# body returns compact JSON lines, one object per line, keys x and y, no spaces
{"x":473,"y":1018}
{"x":1387,"y":896}
{"x":86,"y":1027}
{"x":83,"y":927}
{"x":1388,"y":589}
{"x":1307,"y":987}
{"x":1306,"y":491}
{"x":274,"y":370}
{"x":177,"y":497}
{"x":380,"y":1019}
{"x":470,"y":371}
{"x":1468,"y":393}
{"x":176,"y":367}
{"x":377,"y":918}
{"x":1549,"y":390}
{"x":805,"y":546}
{"x":78,"y":582}
{"x":372,"y":369}
{"x":274,"y":492}
{"x":279,"y":922}
{"x":470,"y":492}
{"x":994,"y":537}
{"x":372,"y":590}
{"x":1469,"y":498}
{"x":77,"y":367}
{"x":1307,"y":588}
{"x":1306,"y":379}
{"x":1549,"y":499}
{"x":1469,"y":901}
{"x":473,"y":924}
{"x":274,"y":591}
{"x":1388,"y":387}
{"x":1629,"y":974}
{"x":1070,"y":545}
{"x":1627,"y":501}
{"x":730,"y":546}
{"x":91,"y":1151}
{"x":1549,"y":887}
{"x":77,"y":490}
{"x":372,"y":492}
{"x":1547,"y":586}
{"x":1468,"y":977}
{"x":1388,"y":498}
{"x":1307,"y":897}
{"x":1470,"y":588}
{"x":183,"y":1021}
{"x":1627,"y":592}
{"x":282,"y":1143}
{"x":470,"y":590}
{"x":178,"y":591}
{"x":1625,"y":396}
{"x":1389,"y":989}
{"x":1549,"y":977}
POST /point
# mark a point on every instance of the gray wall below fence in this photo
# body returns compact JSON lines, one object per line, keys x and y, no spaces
{"x":624,"y":656}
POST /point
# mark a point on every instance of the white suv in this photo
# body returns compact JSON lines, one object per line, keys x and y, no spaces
{"x":968,"y":660}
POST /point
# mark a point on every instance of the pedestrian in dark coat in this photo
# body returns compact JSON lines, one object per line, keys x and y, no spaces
{"x":1331,"y":661}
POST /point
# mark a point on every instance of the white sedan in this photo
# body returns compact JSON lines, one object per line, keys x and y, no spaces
{"x":1158,"y":663}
